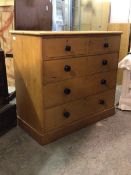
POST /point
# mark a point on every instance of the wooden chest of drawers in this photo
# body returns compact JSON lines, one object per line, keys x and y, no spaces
{"x":64,"y":80}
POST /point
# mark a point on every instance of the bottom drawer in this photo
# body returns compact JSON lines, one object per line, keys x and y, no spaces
{"x":62,"y":115}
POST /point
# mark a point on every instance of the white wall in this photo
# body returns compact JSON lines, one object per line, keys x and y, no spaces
{"x":120,"y":11}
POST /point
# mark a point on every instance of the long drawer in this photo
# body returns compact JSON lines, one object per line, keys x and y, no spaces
{"x":62,"y":47}
{"x":57,"y":70}
{"x":107,"y":44}
{"x":63,"y":115}
{"x":59,"y":47}
{"x":62,"y":92}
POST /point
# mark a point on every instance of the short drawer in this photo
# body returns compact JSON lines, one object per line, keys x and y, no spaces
{"x":77,"y":110}
{"x":65,"y":91}
{"x":101,"y":44}
{"x":57,"y":70}
{"x":61,"y":47}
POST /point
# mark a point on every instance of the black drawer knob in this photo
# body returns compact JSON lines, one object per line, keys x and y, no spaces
{"x":104,"y":62}
{"x":68,"y":48}
{"x":67,"y":91}
{"x":106,"y":45}
{"x":103,"y":82}
{"x":66,"y":114}
{"x":101,"y":102}
{"x":67,"y":68}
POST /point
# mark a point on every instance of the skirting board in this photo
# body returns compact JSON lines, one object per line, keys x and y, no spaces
{"x":54,"y":135}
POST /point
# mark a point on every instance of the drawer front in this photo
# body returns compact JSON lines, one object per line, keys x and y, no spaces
{"x":57,"y":70}
{"x":107,"y":44}
{"x":63,"y":115}
{"x":64,"y":47}
{"x":59,"y":93}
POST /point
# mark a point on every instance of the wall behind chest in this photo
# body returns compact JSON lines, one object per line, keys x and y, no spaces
{"x":91,"y":14}
{"x":6,"y":24}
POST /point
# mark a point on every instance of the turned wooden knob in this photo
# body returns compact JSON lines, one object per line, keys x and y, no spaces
{"x":106,"y":45}
{"x":67,"y":68}
{"x":67,"y":91}
{"x":102,"y":102}
{"x":103,"y":82}
{"x":104,"y":62}
{"x":67,"y":48}
{"x":66,"y":114}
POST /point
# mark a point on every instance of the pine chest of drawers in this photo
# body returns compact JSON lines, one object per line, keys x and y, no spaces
{"x":64,"y":80}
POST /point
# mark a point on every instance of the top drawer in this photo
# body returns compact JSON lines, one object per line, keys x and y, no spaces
{"x":103,"y":44}
{"x":61,"y":47}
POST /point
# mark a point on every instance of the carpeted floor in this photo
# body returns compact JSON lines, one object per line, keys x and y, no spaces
{"x":100,"y":149}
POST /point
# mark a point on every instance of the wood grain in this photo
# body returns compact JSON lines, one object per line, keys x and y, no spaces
{"x":124,"y":44}
{"x":64,"y":33}
{"x":96,"y":44}
{"x":32,"y":15}
{"x":79,"y":88}
{"x":28,"y":67}
{"x":7,"y":24}
{"x":79,"y":66}
{"x":41,"y":101}
{"x":57,"y":47}
{"x":56,"y":134}
{"x":54,"y":117}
